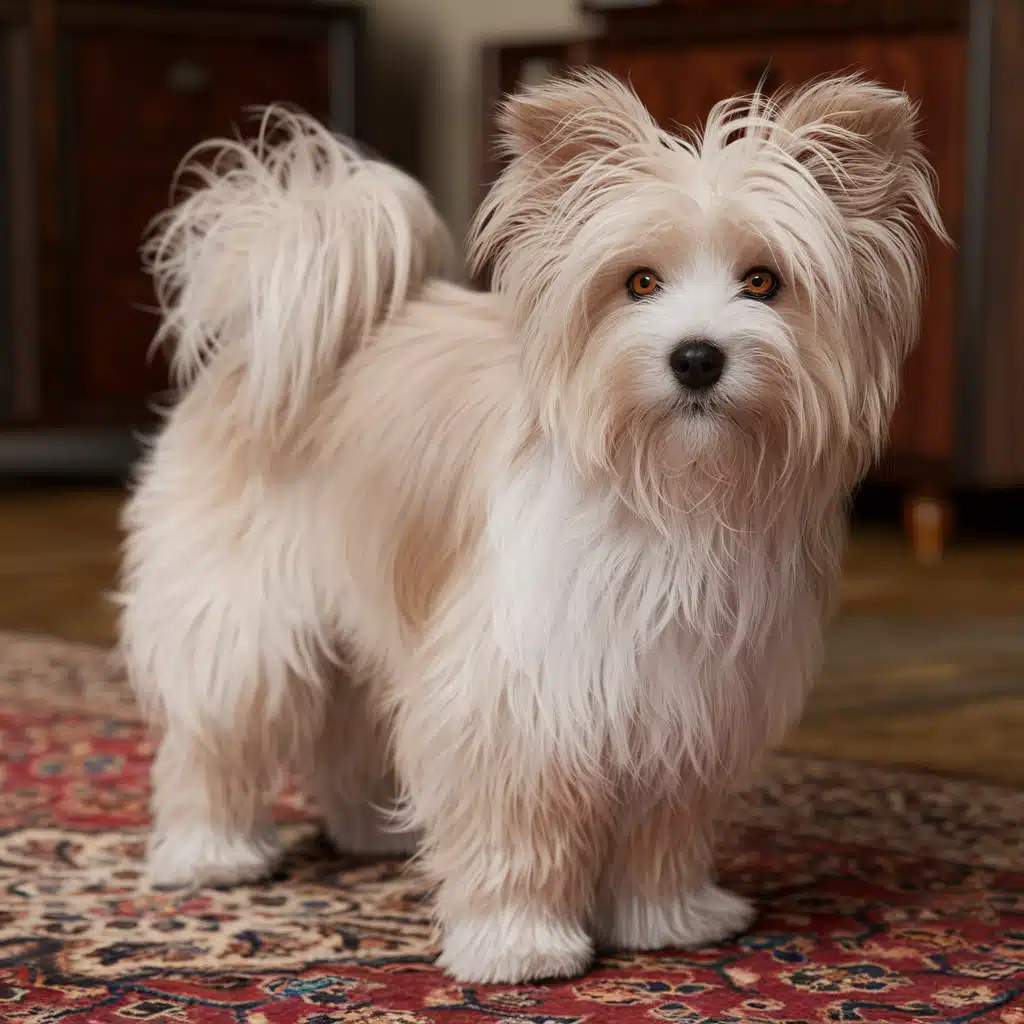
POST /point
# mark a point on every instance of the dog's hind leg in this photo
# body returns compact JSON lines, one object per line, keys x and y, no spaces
{"x":213,"y":784}
{"x":352,"y":777}
{"x":238,"y":720}
{"x":223,"y":630}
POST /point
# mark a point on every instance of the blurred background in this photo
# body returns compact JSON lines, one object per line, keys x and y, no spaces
{"x":100,"y":99}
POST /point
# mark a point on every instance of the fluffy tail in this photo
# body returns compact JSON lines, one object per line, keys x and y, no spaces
{"x":290,"y":249}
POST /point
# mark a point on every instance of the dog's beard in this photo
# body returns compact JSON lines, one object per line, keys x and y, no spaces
{"x":692,"y":457}
{"x":699,"y":406}
{"x":737,"y":452}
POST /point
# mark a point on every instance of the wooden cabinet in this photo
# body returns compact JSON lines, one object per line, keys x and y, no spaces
{"x":958,"y":422}
{"x":103,"y":99}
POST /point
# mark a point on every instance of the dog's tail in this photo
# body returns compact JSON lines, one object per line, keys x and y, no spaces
{"x":290,"y":249}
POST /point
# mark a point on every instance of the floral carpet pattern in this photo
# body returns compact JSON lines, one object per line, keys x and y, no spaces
{"x":883,"y":896}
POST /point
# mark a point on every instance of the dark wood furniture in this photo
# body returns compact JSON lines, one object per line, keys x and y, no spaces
{"x":100,"y":101}
{"x":960,"y":420}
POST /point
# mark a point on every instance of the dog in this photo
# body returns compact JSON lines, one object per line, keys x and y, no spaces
{"x":523,"y":581}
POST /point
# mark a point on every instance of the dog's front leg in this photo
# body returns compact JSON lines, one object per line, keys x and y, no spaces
{"x":513,"y":833}
{"x":516,"y":887}
{"x":658,"y":891}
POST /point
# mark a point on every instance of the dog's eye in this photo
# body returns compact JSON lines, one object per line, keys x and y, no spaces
{"x":642,"y":283}
{"x":760,"y":283}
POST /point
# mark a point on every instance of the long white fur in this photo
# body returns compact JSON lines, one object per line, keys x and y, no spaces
{"x":474,"y":563}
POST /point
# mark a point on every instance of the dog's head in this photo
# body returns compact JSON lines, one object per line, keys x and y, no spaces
{"x":696,"y":310}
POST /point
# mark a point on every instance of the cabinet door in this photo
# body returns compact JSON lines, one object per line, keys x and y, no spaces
{"x":19,"y":386}
{"x":135,"y":99}
{"x":679,"y":84}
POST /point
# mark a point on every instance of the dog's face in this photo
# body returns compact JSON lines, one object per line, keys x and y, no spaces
{"x":693,"y":312}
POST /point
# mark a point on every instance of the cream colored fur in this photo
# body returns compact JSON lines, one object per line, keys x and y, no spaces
{"x":476,"y":564}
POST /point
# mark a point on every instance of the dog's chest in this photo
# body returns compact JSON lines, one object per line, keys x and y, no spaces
{"x":640,"y":649}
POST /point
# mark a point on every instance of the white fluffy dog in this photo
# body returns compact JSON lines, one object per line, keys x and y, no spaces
{"x":525,"y":580}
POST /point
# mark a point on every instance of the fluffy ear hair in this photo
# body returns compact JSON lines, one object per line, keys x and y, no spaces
{"x":859,"y":141}
{"x":580,"y":129}
{"x":585,"y":114}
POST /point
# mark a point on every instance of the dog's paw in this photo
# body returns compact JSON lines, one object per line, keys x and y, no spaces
{"x":705,"y":917}
{"x":202,"y":855}
{"x":514,"y":948}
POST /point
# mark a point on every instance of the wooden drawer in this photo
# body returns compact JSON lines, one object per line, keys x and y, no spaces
{"x":133,"y":101}
{"x":18,"y":279}
{"x":134,"y":92}
{"x":7,"y":340}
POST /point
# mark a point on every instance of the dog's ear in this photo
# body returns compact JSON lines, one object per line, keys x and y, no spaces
{"x":859,"y":141}
{"x":582,"y":127}
{"x":582,"y":116}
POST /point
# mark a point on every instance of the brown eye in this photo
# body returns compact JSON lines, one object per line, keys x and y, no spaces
{"x":642,"y":283}
{"x":760,"y":284}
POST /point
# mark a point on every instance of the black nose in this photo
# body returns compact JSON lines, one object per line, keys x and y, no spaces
{"x":697,"y":364}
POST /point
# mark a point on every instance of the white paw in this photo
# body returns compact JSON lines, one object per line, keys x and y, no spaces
{"x":362,"y":829}
{"x":511,"y":948}
{"x":705,"y":917}
{"x":201,"y":855}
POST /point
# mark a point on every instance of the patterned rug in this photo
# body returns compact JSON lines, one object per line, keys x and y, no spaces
{"x":883,"y":896}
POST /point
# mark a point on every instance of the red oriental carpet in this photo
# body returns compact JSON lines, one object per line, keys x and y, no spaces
{"x":883,"y":896}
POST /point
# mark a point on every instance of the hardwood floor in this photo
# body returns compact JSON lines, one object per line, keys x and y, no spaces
{"x":58,"y":561}
{"x":925,"y":666}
